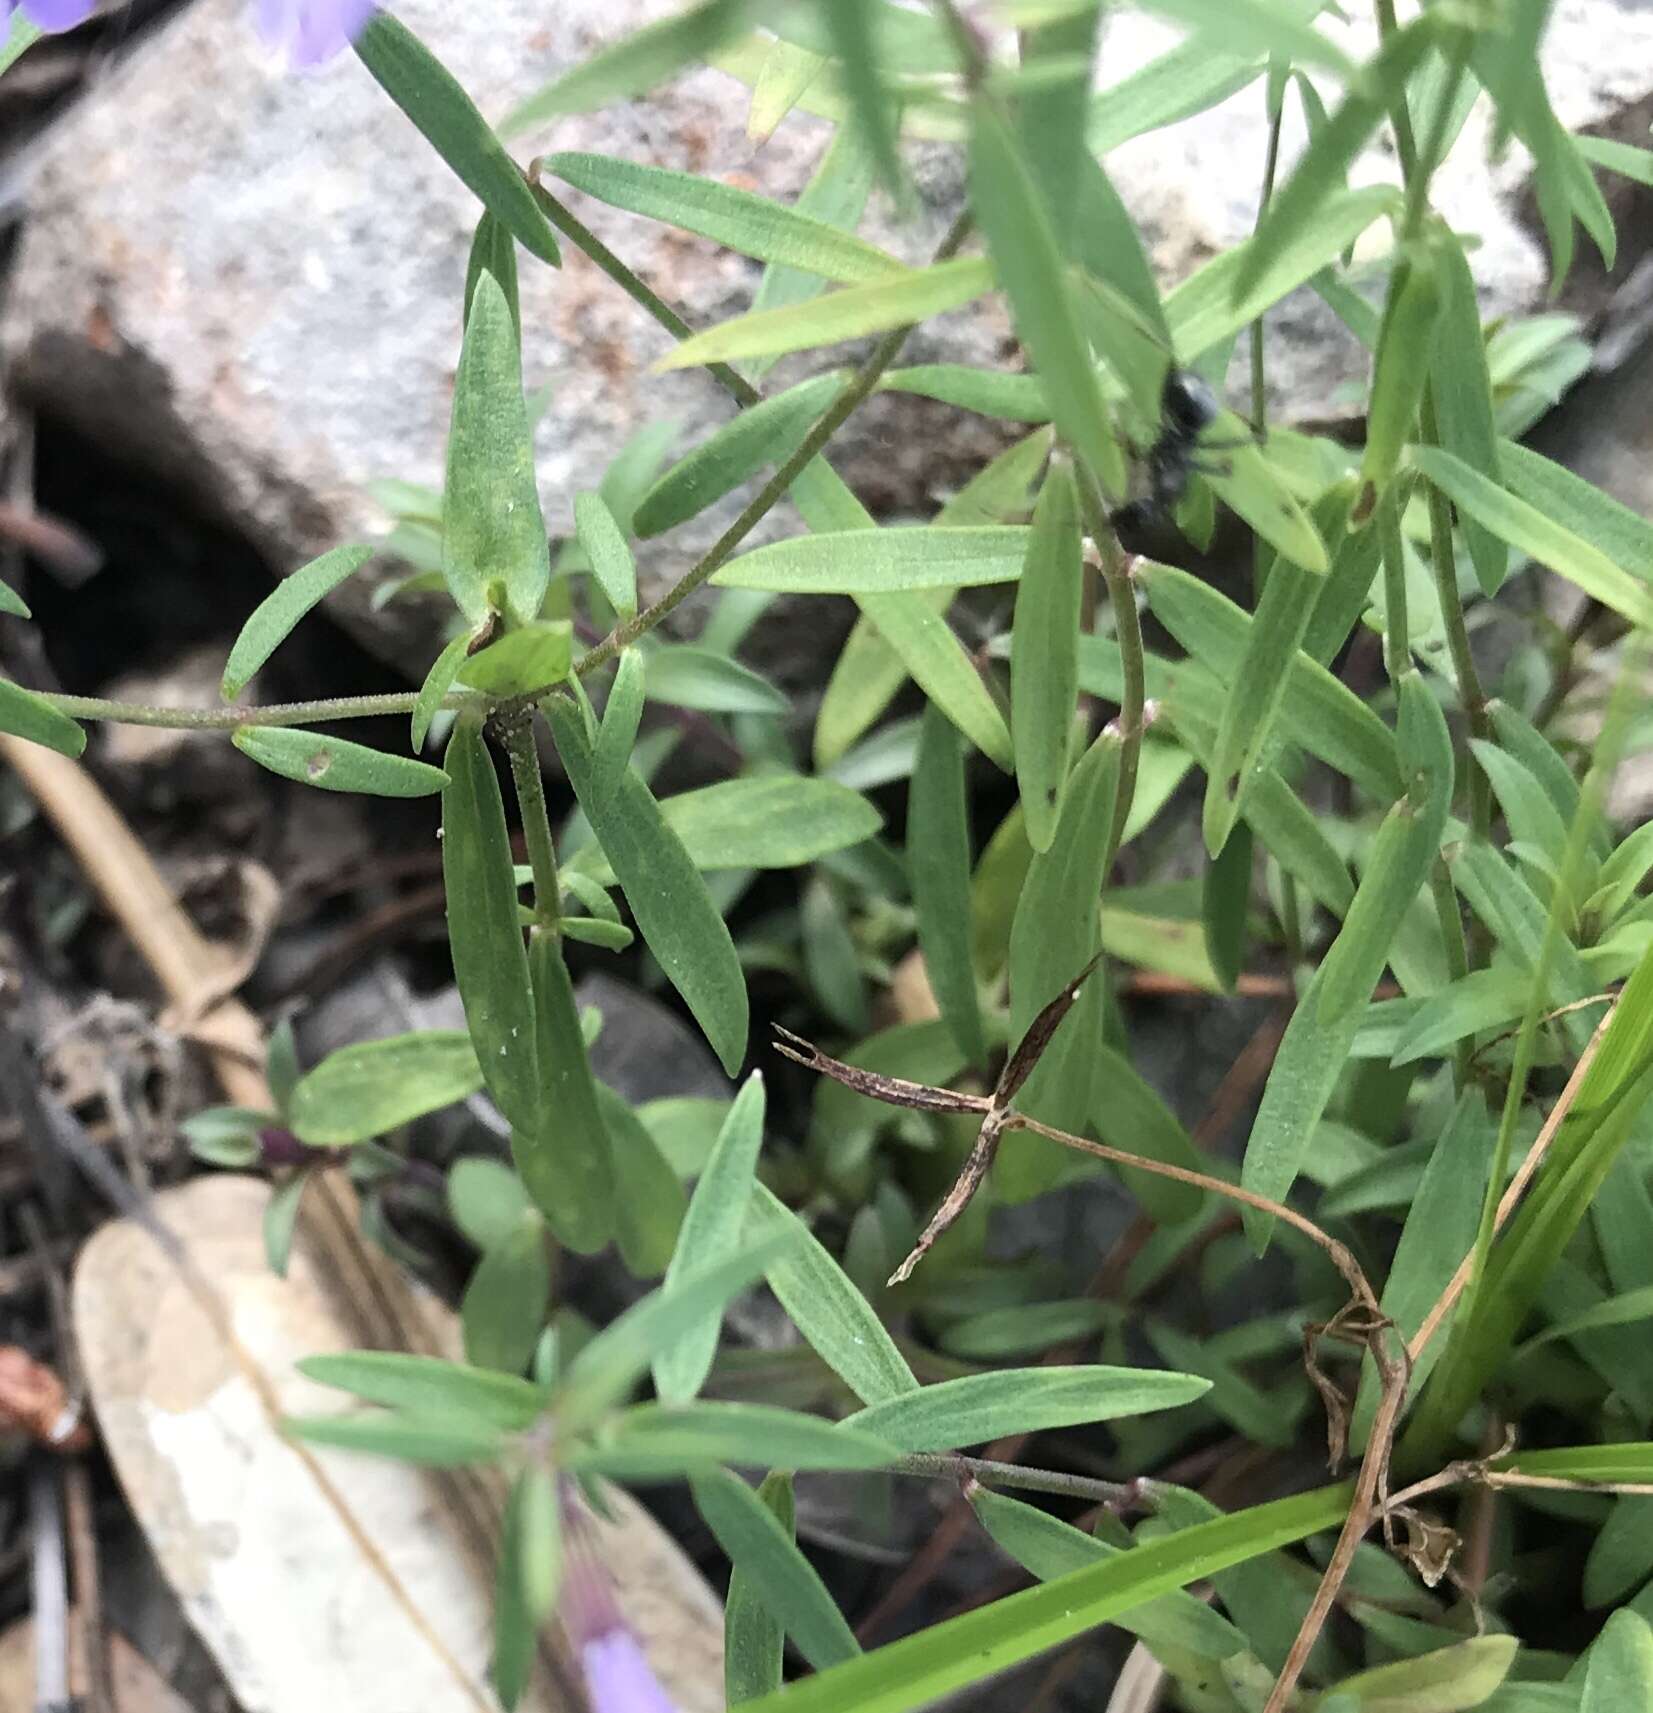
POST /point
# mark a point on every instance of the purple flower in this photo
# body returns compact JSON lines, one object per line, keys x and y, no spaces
{"x":308,"y":32}
{"x":618,"y":1678}
{"x":50,"y":15}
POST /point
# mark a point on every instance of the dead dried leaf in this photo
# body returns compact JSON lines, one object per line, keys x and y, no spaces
{"x":315,"y":1579}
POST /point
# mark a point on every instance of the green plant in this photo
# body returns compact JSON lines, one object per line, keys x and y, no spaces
{"x":1471,"y":1130}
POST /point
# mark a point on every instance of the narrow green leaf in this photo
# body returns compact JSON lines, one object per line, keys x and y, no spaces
{"x":1234,"y":1399}
{"x":1621,"y":1556}
{"x":1031,"y":267}
{"x":922,"y":1669}
{"x":1127,"y":1113}
{"x":686,"y":675}
{"x":738,"y":219}
{"x":490,"y":963}
{"x":787,"y":72}
{"x":1589,"y":512}
{"x":656,"y":1442}
{"x":938,"y":863}
{"x":860,"y":562}
{"x":1532,"y":818}
{"x":616,"y":1358}
{"x":531,"y":659}
{"x":622,"y":714}
{"x":836,"y":194}
{"x":485,"y":1198}
{"x":429,"y":1386}
{"x":1316,"y":710}
{"x":989,"y":392}
{"x":1399,"y":374}
{"x":1620,"y":1670}
{"x":649,"y":1200}
{"x":21,"y":34}
{"x":516,"y":1632}
{"x":1044,"y":657}
{"x":281,"y":1221}
{"x":764,"y":434}
{"x":1051,"y":121}
{"x":1047,"y":1547}
{"x":605,"y":544}
{"x":980,"y":1407}
{"x":1186,"y":80}
{"x":848,"y":314}
{"x":444,"y":1444}
{"x":505,"y":1303}
{"x":564,"y":1153}
{"x":836,"y":1320}
{"x":1053,"y":936}
{"x":1306,"y":197}
{"x":494,"y":551}
{"x":26,"y":715}
{"x":427,"y":93}
{"x":674,"y":911}
{"x":1462,"y":390}
{"x":1225,"y":904}
{"x":335,"y":764}
{"x":832,"y":962}
{"x":1247,"y":483}
{"x":10,"y":601}
{"x":1231,"y":291}
{"x":762,"y":1551}
{"x":438,"y":682}
{"x":1254,"y":698}
{"x":767,"y":820}
{"x":374,"y":1086}
{"x":633,"y":65}
{"x":710,"y":1233}
{"x":1322,"y":1029}
{"x":1445,"y":1681}
{"x":753,"y":1640}
{"x":493,"y":251}
{"x":850,"y":24}
{"x":1533,"y":532}
{"x":279,"y":611}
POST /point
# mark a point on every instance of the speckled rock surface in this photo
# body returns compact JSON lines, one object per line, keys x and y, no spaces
{"x":253,"y":280}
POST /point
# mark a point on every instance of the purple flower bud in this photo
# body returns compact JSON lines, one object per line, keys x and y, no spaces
{"x":308,"y":32}
{"x":618,"y":1678}
{"x":51,"y":15}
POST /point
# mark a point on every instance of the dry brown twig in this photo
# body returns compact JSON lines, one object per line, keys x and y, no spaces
{"x":1361,"y":1321}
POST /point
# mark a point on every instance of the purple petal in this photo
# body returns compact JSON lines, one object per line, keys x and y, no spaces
{"x":55,"y":15}
{"x":311,"y":32}
{"x":618,"y":1678}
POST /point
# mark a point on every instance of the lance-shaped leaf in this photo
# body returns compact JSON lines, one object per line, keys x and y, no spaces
{"x":753,"y":1639}
{"x":980,"y":1407}
{"x":675,"y":913}
{"x":336,"y":764}
{"x":1316,"y":1044}
{"x":938,"y":865}
{"x":26,"y":715}
{"x":763,"y":1553}
{"x":427,"y":92}
{"x":839,"y":315}
{"x":738,"y":219}
{"x":1044,"y":654}
{"x":1537,"y":534}
{"x":372,"y":1087}
{"x":1033,"y":271}
{"x":564,"y":1156}
{"x":494,"y":549}
{"x":490,"y":962}
{"x":1400,"y":372}
{"x":279,"y":611}
{"x":881,"y":561}
{"x":711,"y":1231}
{"x":493,"y":251}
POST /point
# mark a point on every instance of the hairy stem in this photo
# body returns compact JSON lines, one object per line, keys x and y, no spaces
{"x":1128,"y":634}
{"x":227,"y":719}
{"x":1116,"y":1495}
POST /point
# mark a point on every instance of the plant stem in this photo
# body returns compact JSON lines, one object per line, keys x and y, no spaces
{"x":637,"y":289}
{"x":1116,"y":1495}
{"x":1445,"y":563}
{"x":718,"y":554}
{"x":1397,"y":640}
{"x":1271,"y":163}
{"x":518,"y":735}
{"x":1451,"y":921}
{"x":227,"y":719}
{"x":1128,"y":634}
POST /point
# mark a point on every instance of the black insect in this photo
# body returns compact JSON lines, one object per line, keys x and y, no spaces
{"x":1187,"y":407}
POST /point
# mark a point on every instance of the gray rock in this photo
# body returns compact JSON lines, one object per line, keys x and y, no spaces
{"x":252,"y":281}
